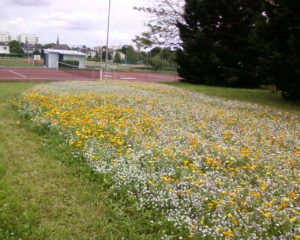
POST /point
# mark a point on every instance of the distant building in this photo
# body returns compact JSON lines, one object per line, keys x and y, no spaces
{"x":60,"y":46}
{"x":4,"y":48}
{"x":14,"y":37}
{"x":29,"y":48}
{"x":54,"y":56}
{"x":122,"y":55}
{"x":117,"y":49}
{"x":4,"y":37}
{"x":89,"y":52}
{"x":113,"y":50}
{"x":22,"y":38}
{"x":29,"y":38}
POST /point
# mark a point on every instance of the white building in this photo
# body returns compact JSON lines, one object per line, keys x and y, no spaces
{"x":4,"y":37}
{"x":115,"y":48}
{"x":54,"y":56}
{"x":14,"y":37}
{"x":24,"y":37}
{"x":29,"y":38}
{"x":4,"y":49}
{"x":91,"y":53}
{"x":122,"y":55}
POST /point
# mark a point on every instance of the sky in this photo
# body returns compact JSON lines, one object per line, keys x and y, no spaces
{"x":77,"y":22}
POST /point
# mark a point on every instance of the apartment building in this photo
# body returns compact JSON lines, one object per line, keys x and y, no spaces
{"x":4,"y":37}
{"x":29,"y":38}
{"x":23,"y":38}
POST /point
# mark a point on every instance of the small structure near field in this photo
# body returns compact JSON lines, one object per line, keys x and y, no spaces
{"x":4,"y":49}
{"x":55,"y":56}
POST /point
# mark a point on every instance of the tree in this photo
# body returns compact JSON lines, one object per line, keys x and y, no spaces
{"x":36,"y":52}
{"x":162,"y":26}
{"x":15,"y":47}
{"x":131,"y":56}
{"x":117,"y":58}
{"x":48,"y":45}
{"x":218,"y":46}
{"x":280,"y":33}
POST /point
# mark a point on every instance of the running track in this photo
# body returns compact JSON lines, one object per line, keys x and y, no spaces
{"x":44,"y":74}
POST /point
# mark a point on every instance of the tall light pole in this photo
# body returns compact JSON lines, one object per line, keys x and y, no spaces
{"x":107,"y":38}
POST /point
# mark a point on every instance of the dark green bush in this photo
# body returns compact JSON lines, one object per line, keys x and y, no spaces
{"x":12,"y":55}
{"x":69,"y":64}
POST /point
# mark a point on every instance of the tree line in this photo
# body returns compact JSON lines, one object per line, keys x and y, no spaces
{"x":235,"y":43}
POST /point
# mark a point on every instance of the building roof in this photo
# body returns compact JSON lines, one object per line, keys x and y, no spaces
{"x":66,"y":52}
{"x":60,"y":46}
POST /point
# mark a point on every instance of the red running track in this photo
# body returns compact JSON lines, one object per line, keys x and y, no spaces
{"x":45,"y":74}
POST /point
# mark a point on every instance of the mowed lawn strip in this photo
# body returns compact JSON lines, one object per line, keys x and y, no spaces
{"x":258,"y":96}
{"x":43,"y":195}
{"x":16,"y":63}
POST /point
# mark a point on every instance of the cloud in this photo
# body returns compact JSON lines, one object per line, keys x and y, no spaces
{"x":30,"y":2}
{"x":80,"y":21}
{"x":15,"y":21}
{"x":75,"y":21}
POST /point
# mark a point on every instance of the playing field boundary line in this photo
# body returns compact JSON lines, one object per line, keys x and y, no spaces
{"x":19,"y":74}
{"x":128,"y":78}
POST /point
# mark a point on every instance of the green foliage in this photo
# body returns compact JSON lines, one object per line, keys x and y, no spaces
{"x":102,"y":55}
{"x":158,"y":63}
{"x":279,"y":32}
{"x":143,"y":40}
{"x":12,"y":55}
{"x":242,"y":44}
{"x":15,"y":222}
{"x":117,"y":58}
{"x":69,"y":64}
{"x":36,"y":52}
{"x":160,"y":58}
{"x":155,"y":51}
{"x":15,"y":47}
{"x":218,"y":44}
{"x":131,"y":56}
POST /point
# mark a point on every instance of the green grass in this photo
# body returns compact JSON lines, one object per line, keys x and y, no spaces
{"x":16,"y":63}
{"x":257,"y":96}
{"x":46,"y":194}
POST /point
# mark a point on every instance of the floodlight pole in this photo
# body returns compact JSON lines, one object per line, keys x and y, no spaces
{"x":107,"y":38}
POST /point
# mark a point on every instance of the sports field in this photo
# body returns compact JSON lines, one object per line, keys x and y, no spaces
{"x":43,"y":74}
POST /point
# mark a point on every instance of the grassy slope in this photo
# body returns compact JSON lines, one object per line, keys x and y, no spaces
{"x":258,"y":96}
{"x":44,"y":195}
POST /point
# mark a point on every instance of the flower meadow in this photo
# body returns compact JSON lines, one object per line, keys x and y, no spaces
{"x":215,"y":168}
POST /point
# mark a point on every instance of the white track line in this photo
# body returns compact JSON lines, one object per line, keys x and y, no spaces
{"x":19,"y":74}
{"x":127,"y":78}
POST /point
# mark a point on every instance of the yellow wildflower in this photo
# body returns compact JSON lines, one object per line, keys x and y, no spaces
{"x":268,"y":214}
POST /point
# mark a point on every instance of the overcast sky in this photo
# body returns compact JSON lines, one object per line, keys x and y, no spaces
{"x":76,"y":22}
